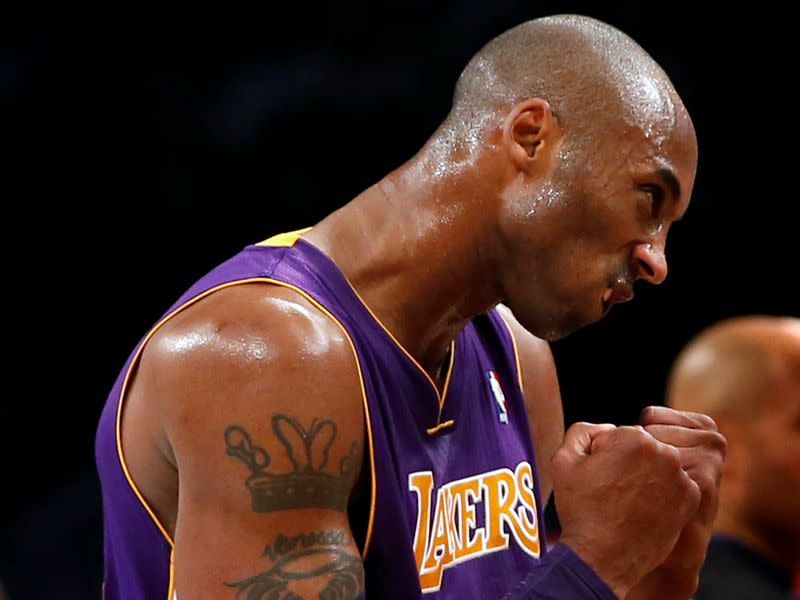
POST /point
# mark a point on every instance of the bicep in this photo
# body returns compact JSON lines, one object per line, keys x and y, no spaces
{"x":268,"y":448}
{"x":264,"y":517}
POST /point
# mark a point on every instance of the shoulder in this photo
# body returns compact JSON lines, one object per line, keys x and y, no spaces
{"x":247,"y":326}
{"x":254,"y":396}
{"x":246,"y":351}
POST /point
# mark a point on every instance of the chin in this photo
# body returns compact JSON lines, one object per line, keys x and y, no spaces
{"x":560,"y":326}
{"x":577,"y":318}
{"x":553,"y":325}
{"x":553,"y":335}
{"x":561,"y":333}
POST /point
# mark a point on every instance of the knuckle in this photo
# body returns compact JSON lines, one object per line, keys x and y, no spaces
{"x":634,"y":432}
{"x":671,"y":457}
{"x":706,"y":422}
{"x":692,"y":494}
{"x":720,"y":443}
{"x":578,"y":427}
{"x":558,"y":460}
{"x":641,"y":442}
{"x":715,"y":444}
{"x":706,"y":482}
{"x":696,"y":495}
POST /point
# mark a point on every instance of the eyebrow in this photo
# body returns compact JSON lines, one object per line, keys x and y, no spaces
{"x":669,"y":179}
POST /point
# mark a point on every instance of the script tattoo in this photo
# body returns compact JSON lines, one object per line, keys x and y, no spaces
{"x":302,"y":558}
{"x":284,"y":545}
{"x":309,"y":484}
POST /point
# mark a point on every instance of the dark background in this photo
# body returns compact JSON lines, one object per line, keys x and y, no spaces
{"x":143,"y":147}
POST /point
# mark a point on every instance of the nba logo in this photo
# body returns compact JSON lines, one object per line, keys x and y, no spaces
{"x":499,"y":397}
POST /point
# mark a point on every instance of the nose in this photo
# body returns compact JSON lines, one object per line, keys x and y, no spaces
{"x":650,"y":263}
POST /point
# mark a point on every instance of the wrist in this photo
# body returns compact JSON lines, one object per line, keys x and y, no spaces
{"x":621,"y":579}
{"x":665,"y":585}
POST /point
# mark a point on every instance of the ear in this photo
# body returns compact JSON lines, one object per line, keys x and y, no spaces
{"x":738,"y":457}
{"x":531,"y":135}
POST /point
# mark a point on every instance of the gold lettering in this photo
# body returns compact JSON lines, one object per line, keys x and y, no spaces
{"x":422,"y":484}
{"x":439,"y":552}
{"x":529,"y":534}
{"x":465,"y":493}
{"x":509,"y":505}
{"x":501,"y":495}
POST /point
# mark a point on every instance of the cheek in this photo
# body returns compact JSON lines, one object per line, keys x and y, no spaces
{"x":779,"y":445}
{"x":787,"y":458}
{"x":776,"y":466}
{"x":573,"y":268}
{"x":523,"y":202}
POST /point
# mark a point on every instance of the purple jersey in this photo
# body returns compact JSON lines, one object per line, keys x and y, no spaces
{"x":455,"y":509}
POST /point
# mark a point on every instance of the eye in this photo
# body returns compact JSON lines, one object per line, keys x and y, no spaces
{"x":656,"y":195}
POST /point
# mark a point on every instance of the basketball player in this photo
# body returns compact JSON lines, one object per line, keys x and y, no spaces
{"x":370,"y":407}
{"x":745,"y":372}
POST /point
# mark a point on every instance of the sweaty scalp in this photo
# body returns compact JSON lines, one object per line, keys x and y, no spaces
{"x":589,"y":72}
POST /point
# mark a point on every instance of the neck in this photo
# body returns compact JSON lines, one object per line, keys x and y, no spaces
{"x":418,"y":248}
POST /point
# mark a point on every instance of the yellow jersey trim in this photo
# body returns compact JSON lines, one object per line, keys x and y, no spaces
{"x":516,"y":351}
{"x":284,"y":239}
{"x":440,"y":398}
{"x":290,"y":238}
{"x":171,"y":588}
{"x":179,"y":309}
{"x":440,"y":426}
{"x":448,"y":376}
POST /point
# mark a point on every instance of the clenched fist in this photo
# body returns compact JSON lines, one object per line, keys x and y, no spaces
{"x":701,"y":449}
{"x":625,"y":496}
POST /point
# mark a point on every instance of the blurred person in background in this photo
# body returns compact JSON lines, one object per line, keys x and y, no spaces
{"x":745,"y":373}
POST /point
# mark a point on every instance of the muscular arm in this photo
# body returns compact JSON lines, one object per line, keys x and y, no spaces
{"x":261,"y":408}
{"x":542,"y":397}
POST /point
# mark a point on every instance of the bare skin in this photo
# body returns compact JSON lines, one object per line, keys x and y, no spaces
{"x":196,"y":417}
{"x":701,"y":451}
{"x":745,"y":372}
{"x":222,"y":385}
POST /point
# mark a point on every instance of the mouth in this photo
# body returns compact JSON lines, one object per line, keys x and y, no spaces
{"x":621,"y":291}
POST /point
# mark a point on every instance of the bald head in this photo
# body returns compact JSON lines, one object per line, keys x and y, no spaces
{"x":729,"y":369}
{"x":569,"y":154}
{"x":587,"y":70}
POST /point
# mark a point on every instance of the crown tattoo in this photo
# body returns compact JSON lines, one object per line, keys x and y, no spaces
{"x":308,"y":485}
